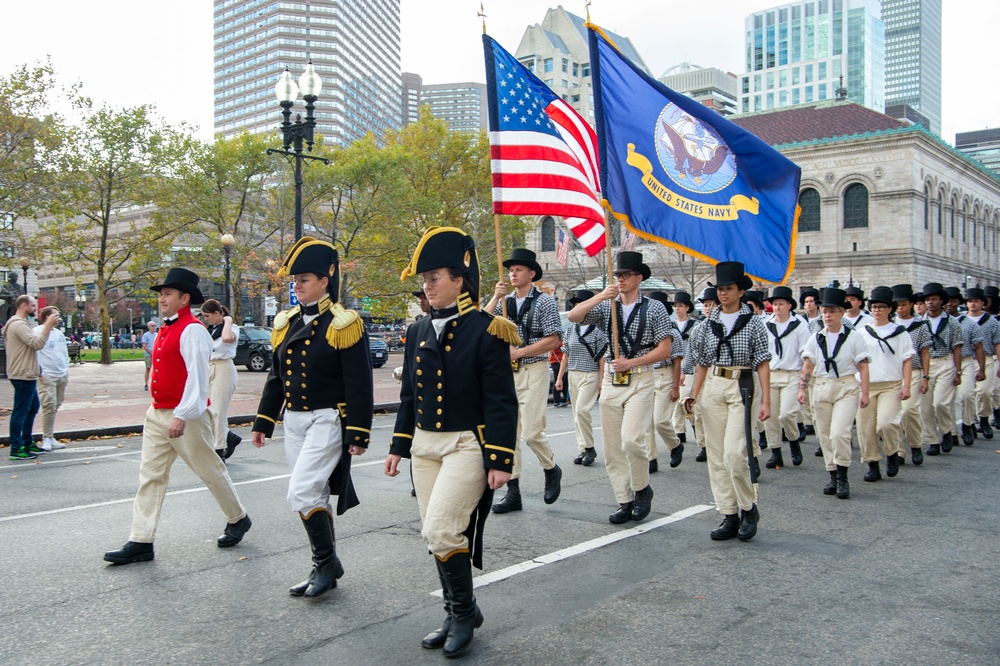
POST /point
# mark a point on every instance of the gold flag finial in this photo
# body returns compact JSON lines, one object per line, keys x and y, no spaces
{"x":482,"y":14}
{"x":588,"y":10}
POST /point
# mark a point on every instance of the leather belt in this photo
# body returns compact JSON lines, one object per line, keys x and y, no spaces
{"x":727,"y":372}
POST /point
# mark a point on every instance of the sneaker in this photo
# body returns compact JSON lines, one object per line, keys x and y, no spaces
{"x":56,"y":444}
{"x":46,"y":445}
{"x":34,"y":449}
{"x":23,"y":455}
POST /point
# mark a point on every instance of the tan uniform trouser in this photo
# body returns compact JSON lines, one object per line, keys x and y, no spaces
{"x":221,"y":386}
{"x":158,"y":454}
{"x":450,"y":479}
{"x":314,"y":446}
{"x":663,"y":416}
{"x":882,"y":418}
{"x":532,"y":385}
{"x":725,"y":442}
{"x":935,"y":407}
{"x":807,"y":410}
{"x":584,"y":387}
{"x":835,"y":404}
{"x":995,"y":398}
{"x":626,"y":417}
{"x":965,"y":393}
{"x":51,"y":391}
{"x":912,"y":424}
{"x":986,"y":388}
{"x":680,"y":417}
{"x":784,"y":400}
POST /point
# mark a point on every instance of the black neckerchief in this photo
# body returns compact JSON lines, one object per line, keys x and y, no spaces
{"x":685,"y":332}
{"x":983,"y":319}
{"x":523,"y":317}
{"x":583,"y":341}
{"x":444,"y":313}
{"x":936,"y":335}
{"x":916,"y":325}
{"x":306,"y":310}
{"x":215,"y":331}
{"x":773,"y":327}
{"x":726,"y":339}
{"x":830,"y":359}
{"x":632,"y":345}
{"x":884,"y":341}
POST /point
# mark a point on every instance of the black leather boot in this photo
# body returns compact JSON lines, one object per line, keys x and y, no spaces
{"x":682,"y":437}
{"x":132,"y":551}
{"x":873,"y":473}
{"x":968,"y":434}
{"x":643,"y":503}
{"x":727,"y":529}
{"x":511,"y":501}
{"x":762,"y":440}
{"x":935,"y":449}
{"x":831,"y":488}
{"x":589,"y":457}
{"x":435,"y":639}
{"x":796,"y":453}
{"x":465,"y":614}
{"x":232,"y":441}
{"x":623,"y":514}
{"x":654,"y":466}
{"x":326,"y":565}
{"x":802,"y":433}
{"x":702,"y":456}
{"x":892,"y":465}
{"x":819,"y":452}
{"x":947,"y":442}
{"x":748,"y":523}
{"x":776,"y":460}
{"x":553,"y":485}
{"x":843,"y":487}
{"x":984,"y":426}
{"x":677,"y":455}
{"x":917,"y":455}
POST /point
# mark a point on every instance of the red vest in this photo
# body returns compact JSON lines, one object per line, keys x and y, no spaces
{"x":169,"y":374}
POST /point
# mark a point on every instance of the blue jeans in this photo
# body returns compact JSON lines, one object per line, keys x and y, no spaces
{"x":22,"y":417}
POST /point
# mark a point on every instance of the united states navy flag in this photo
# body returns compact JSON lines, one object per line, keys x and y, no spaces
{"x":677,"y":173}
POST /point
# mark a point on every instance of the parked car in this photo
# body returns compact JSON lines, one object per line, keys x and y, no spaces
{"x":379,"y":351}
{"x":254,"y":348}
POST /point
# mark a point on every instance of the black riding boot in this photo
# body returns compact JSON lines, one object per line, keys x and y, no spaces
{"x":465,"y":614}
{"x":511,"y":501}
{"x":326,"y":565}
{"x":436,"y":639}
{"x":776,"y":460}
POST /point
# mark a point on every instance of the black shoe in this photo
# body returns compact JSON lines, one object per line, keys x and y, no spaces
{"x":892,"y":465}
{"x":727,"y":529}
{"x":802,"y":433}
{"x":413,"y":492}
{"x":784,"y":437}
{"x":996,"y":418}
{"x":676,"y":456}
{"x":702,"y":456}
{"x":643,"y":503}
{"x":831,"y":488}
{"x":796,"y":453}
{"x":654,"y":466}
{"x":579,"y":459}
{"x":623,"y":514}
{"x":984,"y":426}
{"x":968,"y":434}
{"x":221,"y":453}
{"x":776,"y":461}
{"x":947,"y":442}
{"x":933,"y":450}
{"x":873,"y":473}
{"x":465,"y":613}
{"x":843,"y":487}
{"x":819,"y":452}
{"x":682,"y":437}
{"x":590,"y":457}
{"x":762,"y":440}
{"x":553,"y":486}
{"x":511,"y":501}
{"x":234,"y":532}
{"x":916,"y":455}
{"x":810,"y":430}
{"x":326,"y":565}
{"x":232,"y":441}
{"x":132,"y":551}
{"x":748,"y":523}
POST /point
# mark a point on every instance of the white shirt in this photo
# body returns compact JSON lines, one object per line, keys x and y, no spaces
{"x":860,"y":321}
{"x":627,"y":311}
{"x":887,"y":366}
{"x":223,"y":350}
{"x":196,"y":349}
{"x":729,"y":320}
{"x":791,"y":345}
{"x":851,"y":353}
{"x":53,"y":358}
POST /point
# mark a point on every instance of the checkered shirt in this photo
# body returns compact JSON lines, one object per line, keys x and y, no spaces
{"x":676,"y":347}
{"x":657,"y":324}
{"x":990,"y":328}
{"x":579,"y":356}
{"x":688,"y":365}
{"x":946,"y":337}
{"x":544,"y":322}
{"x":748,"y":347}
{"x":920,"y":335}
{"x":971,"y":335}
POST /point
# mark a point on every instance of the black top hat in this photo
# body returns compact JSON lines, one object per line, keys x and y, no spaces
{"x":731,"y":272}
{"x":883,"y":295}
{"x":755,"y":297}
{"x":975,"y":292}
{"x":902,"y":292}
{"x":631,"y":261}
{"x":685,"y":298}
{"x":709,"y":295}
{"x":520,"y":256}
{"x":935,"y":289}
{"x":661,"y":297}
{"x":806,"y":293}
{"x":953,"y":292}
{"x":991,"y":292}
{"x":310,"y":255}
{"x":785,"y":294}
{"x":857,"y":293}
{"x":446,"y":247}
{"x":183,"y":280}
{"x":832,"y":298}
{"x":418,"y":294}
{"x":581,"y":295}
{"x":918,"y":297}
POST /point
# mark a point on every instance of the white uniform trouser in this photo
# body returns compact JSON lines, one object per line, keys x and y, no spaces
{"x":532,"y":385}
{"x":626,"y":417}
{"x":985,"y":389}
{"x":584,"y":387}
{"x":881,"y":419}
{"x":313,"y":448}
{"x":936,"y":406}
{"x":912,"y":424}
{"x":784,"y":398}
{"x":835,"y":403}
{"x":449,"y":477}
{"x":159,"y":451}
{"x":221,"y":386}
{"x":680,"y":416}
{"x":723,"y":416}
{"x":663,"y":408}
{"x":51,"y":391}
{"x":964,"y":410}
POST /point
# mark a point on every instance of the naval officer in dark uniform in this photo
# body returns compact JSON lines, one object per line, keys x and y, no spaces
{"x":457,"y":422}
{"x":321,"y":373}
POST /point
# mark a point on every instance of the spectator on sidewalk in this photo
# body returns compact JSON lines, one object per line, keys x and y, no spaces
{"x":222,"y":374}
{"x":147,"y":346}
{"x":22,"y":370}
{"x":53,"y":359}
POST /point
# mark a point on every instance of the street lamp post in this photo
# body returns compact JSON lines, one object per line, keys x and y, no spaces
{"x":129,"y":320}
{"x":301,"y":131}
{"x":227,"y":241}
{"x":81,"y":303}
{"x":25,"y":264}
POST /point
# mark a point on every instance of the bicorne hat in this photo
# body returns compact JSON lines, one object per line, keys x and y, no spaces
{"x":731,"y":272}
{"x":310,"y":255}
{"x":446,"y":247}
{"x":581,"y":295}
{"x":520,"y":256}
{"x":183,"y":280}
{"x":784,"y":294}
{"x":832,"y":298}
{"x":631,"y":261}
{"x":684,"y":298}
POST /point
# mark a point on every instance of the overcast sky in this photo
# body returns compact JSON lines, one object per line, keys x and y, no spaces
{"x":130,"y":52}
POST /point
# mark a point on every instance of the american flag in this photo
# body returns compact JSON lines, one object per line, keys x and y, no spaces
{"x":562,"y":250}
{"x":629,"y":242}
{"x":543,"y":153}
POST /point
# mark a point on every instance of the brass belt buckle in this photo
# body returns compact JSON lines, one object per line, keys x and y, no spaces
{"x":621,"y":378}
{"x":515,"y":364}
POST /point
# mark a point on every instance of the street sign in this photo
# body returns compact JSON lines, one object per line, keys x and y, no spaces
{"x":270,"y":306}
{"x":292,"y":301}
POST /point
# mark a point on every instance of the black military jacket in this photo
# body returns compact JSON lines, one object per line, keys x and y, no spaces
{"x":463,"y":382}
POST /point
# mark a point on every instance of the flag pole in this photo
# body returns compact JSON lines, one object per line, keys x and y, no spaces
{"x":611,"y":276}
{"x":502,"y":327}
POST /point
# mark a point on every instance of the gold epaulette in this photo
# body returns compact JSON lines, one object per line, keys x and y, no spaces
{"x":504,"y":329}
{"x":281,"y":321}
{"x":346,"y":328}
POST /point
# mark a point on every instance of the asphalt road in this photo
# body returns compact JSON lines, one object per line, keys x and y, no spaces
{"x":904,"y":572}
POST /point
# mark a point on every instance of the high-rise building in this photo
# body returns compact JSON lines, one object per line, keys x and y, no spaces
{"x":709,"y":85}
{"x":913,"y":56}
{"x":463,"y":106}
{"x":982,"y":146}
{"x":412,"y":83}
{"x":557,"y":51}
{"x":798,"y":52}
{"x":355,"y":47}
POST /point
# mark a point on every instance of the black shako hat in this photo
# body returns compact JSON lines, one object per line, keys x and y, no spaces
{"x":310,"y":255}
{"x":446,"y":247}
{"x":631,"y":261}
{"x":183,"y":280}
{"x":902,"y":292}
{"x":856,"y":292}
{"x":806,"y":293}
{"x":953,"y":292}
{"x":581,"y":295}
{"x":782,"y":293}
{"x":684,"y":298}
{"x":520,"y":256}
{"x":935,"y":289}
{"x":832,"y":298}
{"x":975,"y":292}
{"x":709,"y":295}
{"x":661,"y":297}
{"x":883,"y":295}
{"x":731,"y":272}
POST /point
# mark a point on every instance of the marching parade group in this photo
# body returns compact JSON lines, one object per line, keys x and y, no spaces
{"x":910,"y":372}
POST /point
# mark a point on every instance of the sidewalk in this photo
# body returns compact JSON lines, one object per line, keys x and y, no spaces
{"x":110,"y":400}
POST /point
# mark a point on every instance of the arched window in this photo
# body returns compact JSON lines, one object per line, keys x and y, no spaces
{"x":548,"y":234}
{"x":927,"y":209}
{"x":940,"y":215}
{"x":809,"y":217}
{"x":953,"y":205}
{"x":856,"y":206}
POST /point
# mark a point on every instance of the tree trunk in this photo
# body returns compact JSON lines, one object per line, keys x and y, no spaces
{"x":102,"y":300}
